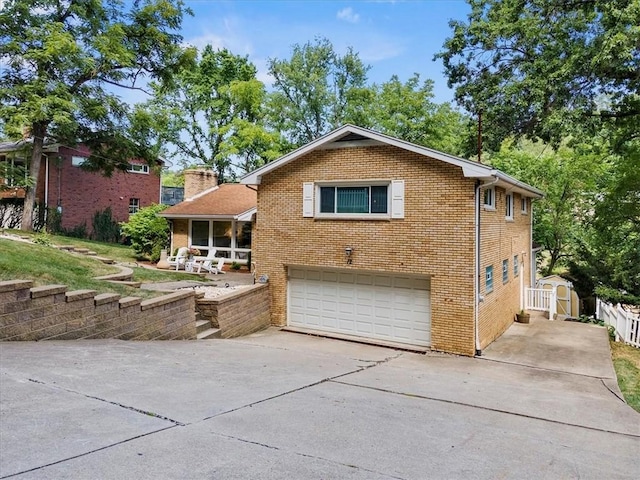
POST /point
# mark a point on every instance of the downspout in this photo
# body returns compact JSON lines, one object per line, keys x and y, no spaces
{"x":476,"y":285}
{"x":46,"y":189}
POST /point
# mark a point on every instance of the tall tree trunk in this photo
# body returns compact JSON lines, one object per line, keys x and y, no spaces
{"x":39,"y":130}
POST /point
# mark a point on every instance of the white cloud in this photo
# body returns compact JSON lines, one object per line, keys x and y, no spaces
{"x":348,"y":15}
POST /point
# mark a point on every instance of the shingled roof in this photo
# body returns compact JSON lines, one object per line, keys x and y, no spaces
{"x":226,"y":200}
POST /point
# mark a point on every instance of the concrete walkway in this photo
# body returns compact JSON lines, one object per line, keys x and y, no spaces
{"x":283,"y":405}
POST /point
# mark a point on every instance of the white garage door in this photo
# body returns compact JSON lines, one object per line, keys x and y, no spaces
{"x":378,"y":306}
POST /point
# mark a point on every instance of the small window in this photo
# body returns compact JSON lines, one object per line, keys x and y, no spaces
{"x":516,"y":266}
{"x":138,"y":168}
{"x":488,"y":279}
{"x":78,"y":161}
{"x":134,"y":205}
{"x":490,"y":198}
{"x":523,"y":205}
{"x":508,"y":213}
{"x":505,"y":271}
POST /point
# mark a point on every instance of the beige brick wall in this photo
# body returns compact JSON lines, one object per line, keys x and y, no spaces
{"x":501,"y":240}
{"x":180,"y":234}
{"x":52,"y":313}
{"x":435,"y":238}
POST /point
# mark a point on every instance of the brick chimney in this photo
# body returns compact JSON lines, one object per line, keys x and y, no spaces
{"x":198,"y":180}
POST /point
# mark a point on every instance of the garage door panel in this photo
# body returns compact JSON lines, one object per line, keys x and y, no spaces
{"x":376,"y":306}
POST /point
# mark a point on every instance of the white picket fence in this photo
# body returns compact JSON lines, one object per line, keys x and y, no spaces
{"x":542,"y":299}
{"x":626,"y":324}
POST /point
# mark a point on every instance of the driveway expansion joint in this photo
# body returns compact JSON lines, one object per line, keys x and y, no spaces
{"x":126,"y":407}
{"x":497,"y":410}
{"x":84,"y":454}
{"x":304,"y":387}
{"x":306,"y":455}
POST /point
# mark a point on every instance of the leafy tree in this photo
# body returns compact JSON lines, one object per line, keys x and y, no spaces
{"x":61,"y":61}
{"x":563,"y":70}
{"x":407,"y":111}
{"x":205,"y":113}
{"x":148,"y":232}
{"x":569,"y":178}
{"x":172,"y":179}
{"x":317,"y":90}
{"x":546,"y":68}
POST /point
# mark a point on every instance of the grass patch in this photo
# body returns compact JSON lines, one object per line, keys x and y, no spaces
{"x":46,"y":265}
{"x":626,"y":361}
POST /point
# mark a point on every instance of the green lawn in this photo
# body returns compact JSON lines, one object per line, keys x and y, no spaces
{"x":46,"y":265}
{"x":626,"y":361}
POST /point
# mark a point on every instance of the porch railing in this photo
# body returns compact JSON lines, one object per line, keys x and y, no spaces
{"x":541,"y":299}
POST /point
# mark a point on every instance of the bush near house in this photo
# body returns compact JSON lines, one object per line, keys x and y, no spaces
{"x":147,"y":232}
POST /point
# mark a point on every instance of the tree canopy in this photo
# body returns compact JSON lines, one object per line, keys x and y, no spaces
{"x":62,"y":61}
{"x":316,"y":91}
{"x":212,"y":114}
{"x":546,"y":68}
{"x":565,"y":72}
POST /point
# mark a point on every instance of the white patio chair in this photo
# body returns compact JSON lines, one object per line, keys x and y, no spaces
{"x":208,"y":265}
{"x":179,"y":259}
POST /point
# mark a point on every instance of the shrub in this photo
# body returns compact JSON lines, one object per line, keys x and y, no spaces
{"x":105,"y":228}
{"x":147,"y":232}
{"x":42,"y":238}
{"x":235,"y":266}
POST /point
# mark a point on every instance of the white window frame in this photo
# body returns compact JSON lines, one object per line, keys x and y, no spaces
{"x":488,"y":279}
{"x":235,"y":253}
{"x":395,"y":199}
{"x":516,"y":266}
{"x":523,"y":205}
{"x":78,"y":160}
{"x":508,"y":201}
{"x":138,"y":168}
{"x":490,"y":202}
{"x":134,"y":205}
{"x":505,"y":271}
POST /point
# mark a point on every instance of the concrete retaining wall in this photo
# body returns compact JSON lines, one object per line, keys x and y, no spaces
{"x":238,"y":313}
{"x":51,"y":313}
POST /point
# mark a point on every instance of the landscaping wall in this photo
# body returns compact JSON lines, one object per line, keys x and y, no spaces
{"x":51,"y":313}
{"x":238,"y":313}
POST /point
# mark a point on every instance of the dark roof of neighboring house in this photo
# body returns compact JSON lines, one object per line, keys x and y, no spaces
{"x":226,"y":200}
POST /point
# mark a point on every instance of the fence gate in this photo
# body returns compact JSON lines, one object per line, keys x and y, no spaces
{"x":541,"y":299}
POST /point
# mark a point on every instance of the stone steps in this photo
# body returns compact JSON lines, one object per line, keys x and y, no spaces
{"x":209,"y":333}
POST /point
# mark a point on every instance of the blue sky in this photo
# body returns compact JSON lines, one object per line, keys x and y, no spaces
{"x":393,"y":37}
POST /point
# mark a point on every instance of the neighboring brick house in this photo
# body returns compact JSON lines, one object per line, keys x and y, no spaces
{"x":368,"y":236}
{"x":79,"y":194}
{"x":213,"y":216}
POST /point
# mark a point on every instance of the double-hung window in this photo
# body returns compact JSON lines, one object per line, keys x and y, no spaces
{"x":505,"y":271}
{"x":508,"y":213}
{"x":489,"y":198}
{"x":516,"y":266}
{"x":373,"y":200}
{"x":523,"y":205}
{"x":488,"y":279}
{"x":134,"y":205}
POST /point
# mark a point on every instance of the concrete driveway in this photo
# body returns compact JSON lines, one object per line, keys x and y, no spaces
{"x":283,"y":405}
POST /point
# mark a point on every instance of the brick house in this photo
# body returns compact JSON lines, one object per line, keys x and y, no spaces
{"x":367,"y":236}
{"x":213,"y":216}
{"x":79,"y":194}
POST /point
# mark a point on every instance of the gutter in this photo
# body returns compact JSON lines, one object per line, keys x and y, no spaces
{"x":476,"y":285}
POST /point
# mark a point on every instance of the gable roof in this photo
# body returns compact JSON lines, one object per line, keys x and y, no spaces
{"x":229,"y":200}
{"x":352,"y":136}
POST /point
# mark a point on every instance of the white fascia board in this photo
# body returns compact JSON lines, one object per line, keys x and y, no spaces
{"x":246,"y":216}
{"x":470,"y":169}
{"x":515,"y":185}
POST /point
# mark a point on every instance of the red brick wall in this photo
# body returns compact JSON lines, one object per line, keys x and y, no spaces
{"x":81,"y":193}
